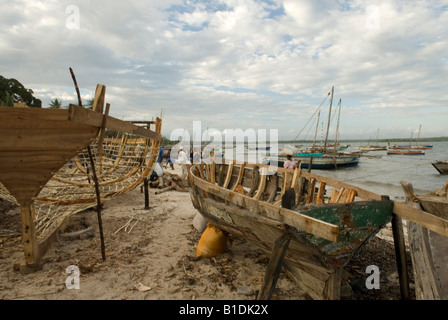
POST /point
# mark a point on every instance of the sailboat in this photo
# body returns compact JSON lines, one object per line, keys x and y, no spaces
{"x":373,"y":147}
{"x":326,"y":156}
{"x":411,"y":146}
{"x":405,"y":149}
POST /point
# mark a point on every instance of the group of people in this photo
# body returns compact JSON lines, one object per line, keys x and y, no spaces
{"x":184,"y":160}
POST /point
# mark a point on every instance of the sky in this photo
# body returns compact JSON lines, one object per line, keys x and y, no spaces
{"x":240,"y":64}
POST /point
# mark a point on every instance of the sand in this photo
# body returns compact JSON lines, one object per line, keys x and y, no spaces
{"x":151,"y":255}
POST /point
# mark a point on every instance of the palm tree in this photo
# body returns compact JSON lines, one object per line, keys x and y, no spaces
{"x":55,"y":104}
{"x":89,"y":104}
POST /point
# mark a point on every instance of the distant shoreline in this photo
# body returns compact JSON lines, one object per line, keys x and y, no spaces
{"x":168,"y":143}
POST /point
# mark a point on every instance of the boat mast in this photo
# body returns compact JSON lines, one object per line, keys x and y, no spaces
{"x":329,"y":117}
{"x":337,"y":127}
{"x":317,"y":126}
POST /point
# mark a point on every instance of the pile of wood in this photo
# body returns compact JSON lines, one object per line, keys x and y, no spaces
{"x":170,"y":181}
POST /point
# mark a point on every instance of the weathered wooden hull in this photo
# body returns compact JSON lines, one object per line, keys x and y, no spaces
{"x":405,"y":152}
{"x":429,"y":250}
{"x":320,"y":162}
{"x":324,"y":236}
{"x":441,"y":166}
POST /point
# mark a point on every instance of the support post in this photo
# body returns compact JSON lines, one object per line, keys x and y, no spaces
{"x":98,"y":200}
{"x":145,"y":186}
{"x":274,"y":267}
{"x":400,"y":253}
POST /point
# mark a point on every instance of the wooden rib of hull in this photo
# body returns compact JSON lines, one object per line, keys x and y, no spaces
{"x":324,"y":237}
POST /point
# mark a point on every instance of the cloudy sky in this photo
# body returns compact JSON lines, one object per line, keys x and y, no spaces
{"x":240,"y":64}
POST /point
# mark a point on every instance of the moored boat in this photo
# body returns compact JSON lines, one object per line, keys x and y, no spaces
{"x":318,"y":160}
{"x":406,"y":152}
{"x":441,"y":166}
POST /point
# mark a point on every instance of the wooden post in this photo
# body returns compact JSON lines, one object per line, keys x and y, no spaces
{"x":400,"y":254}
{"x":98,"y":201}
{"x":145,"y":186}
{"x":274,"y":267}
{"x":29,"y":236}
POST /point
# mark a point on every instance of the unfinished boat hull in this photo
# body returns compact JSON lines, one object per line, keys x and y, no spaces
{"x":326,"y":233}
{"x":40,"y":169}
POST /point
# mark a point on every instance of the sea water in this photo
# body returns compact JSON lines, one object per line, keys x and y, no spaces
{"x":381,"y":173}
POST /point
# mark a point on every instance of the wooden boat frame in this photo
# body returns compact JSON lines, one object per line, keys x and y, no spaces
{"x":39,"y":158}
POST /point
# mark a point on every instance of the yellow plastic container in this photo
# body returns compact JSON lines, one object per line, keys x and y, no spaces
{"x":212,"y":243}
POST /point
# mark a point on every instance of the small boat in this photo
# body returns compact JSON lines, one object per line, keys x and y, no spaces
{"x":45,"y":167}
{"x":429,"y":250}
{"x":318,"y":160}
{"x":406,"y":152}
{"x":372,"y":148}
{"x":413,"y":146}
{"x":327,"y":221}
{"x":441,"y":166}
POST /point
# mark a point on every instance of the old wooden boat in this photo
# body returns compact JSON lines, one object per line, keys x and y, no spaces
{"x":45,"y":167}
{"x":441,"y":166}
{"x":406,"y":152}
{"x":327,"y":221}
{"x":429,"y":250}
{"x":318,"y":160}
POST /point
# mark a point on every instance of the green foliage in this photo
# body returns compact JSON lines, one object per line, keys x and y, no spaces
{"x":55,"y":104}
{"x":12,"y":91}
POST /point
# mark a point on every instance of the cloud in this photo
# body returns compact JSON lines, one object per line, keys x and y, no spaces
{"x":239,"y":64}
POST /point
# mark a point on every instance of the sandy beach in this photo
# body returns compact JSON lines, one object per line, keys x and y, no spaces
{"x":151,"y":255}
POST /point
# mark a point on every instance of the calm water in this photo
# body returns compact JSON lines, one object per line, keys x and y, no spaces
{"x":383,"y":175}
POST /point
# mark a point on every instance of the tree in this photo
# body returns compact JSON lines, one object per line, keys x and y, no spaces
{"x":12,"y":91}
{"x":55,"y":104}
{"x":89,"y":104}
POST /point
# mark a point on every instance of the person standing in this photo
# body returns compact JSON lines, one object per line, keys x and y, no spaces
{"x":183,"y":161}
{"x":289,"y":164}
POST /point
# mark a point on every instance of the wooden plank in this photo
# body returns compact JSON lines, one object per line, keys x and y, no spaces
{"x":228,"y":176}
{"x":274,"y":267}
{"x":400,"y":255}
{"x":262,"y":184}
{"x":295,"y":219}
{"x":351,"y":196}
{"x":80,"y":115}
{"x":29,"y":235}
{"x":311,"y":187}
{"x":321,"y":193}
{"x":342,"y":196}
{"x":422,"y":218}
{"x":240,"y":176}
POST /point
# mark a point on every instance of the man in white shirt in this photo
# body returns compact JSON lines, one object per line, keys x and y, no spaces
{"x":183,"y":161}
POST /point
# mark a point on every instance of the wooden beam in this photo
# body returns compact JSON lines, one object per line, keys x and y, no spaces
{"x":274,"y":267}
{"x":81,"y":115}
{"x":295,"y":219}
{"x":29,"y":235}
{"x":400,"y":254}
